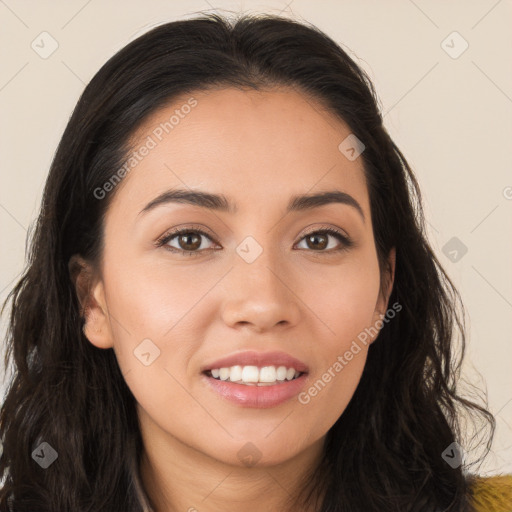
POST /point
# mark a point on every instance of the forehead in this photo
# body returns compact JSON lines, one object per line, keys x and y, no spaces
{"x":258,"y":144}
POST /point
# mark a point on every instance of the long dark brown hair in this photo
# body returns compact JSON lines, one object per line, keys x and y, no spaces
{"x":385,"y":451}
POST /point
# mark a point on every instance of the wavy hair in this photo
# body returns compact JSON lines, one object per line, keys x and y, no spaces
{"x":385,"y":451}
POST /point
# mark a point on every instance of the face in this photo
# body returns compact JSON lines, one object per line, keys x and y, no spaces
{"x":257,"y":276}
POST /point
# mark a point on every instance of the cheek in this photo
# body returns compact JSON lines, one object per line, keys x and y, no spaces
{"x":150,"y":299}
{"x":153,"y":314}
{"x":151,"y":322}
{"x":330,"y":391}
{"x":342,"y":349}
{"x":344,"y":299}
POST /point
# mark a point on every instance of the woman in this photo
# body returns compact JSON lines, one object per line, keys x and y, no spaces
{"x":230,"y":301}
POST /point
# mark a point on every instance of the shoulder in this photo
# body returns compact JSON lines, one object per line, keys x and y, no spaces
{"x":492,"y":493}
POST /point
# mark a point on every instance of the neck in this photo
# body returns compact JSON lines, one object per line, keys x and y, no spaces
{"x":177,"y":477}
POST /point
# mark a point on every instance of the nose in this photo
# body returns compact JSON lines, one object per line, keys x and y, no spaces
{"x":261,"y":296}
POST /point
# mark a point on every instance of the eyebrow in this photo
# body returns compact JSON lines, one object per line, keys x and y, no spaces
{"x":220,"y":203}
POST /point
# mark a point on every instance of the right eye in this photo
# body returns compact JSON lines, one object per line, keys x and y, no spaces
{"x":188,"y":240}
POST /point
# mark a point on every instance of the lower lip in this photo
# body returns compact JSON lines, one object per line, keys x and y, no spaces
{"x":261,"y":397}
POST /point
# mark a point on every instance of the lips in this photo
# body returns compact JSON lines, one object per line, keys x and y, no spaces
{"x":260,"y":359}
{"x":260,"y":397}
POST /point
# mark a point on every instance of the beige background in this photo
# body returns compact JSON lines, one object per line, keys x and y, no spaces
{"x":450,"y":114}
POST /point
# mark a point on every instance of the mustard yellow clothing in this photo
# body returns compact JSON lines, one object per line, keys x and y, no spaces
{"x":492,"y":494}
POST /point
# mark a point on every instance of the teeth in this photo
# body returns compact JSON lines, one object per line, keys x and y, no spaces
{"x":281,"y":373}
{"x":235,"y":373}
{"x":224,"y":373}
{"x":268,"y":374}
{"x":252,"y":375}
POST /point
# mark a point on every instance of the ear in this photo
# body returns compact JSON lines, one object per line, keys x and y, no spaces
{"x":91,"y":297}
{"x":385,"y":292}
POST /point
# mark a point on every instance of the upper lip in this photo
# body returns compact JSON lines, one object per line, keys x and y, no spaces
{"x":260,"y":359}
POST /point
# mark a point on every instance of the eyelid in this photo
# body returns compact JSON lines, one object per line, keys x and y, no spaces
{"x":162,"y":240}
{"x":326,"y":227}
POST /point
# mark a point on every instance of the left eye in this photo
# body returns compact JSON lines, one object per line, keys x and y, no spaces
{"x":346,"y":242}
{"x":190,"y":241}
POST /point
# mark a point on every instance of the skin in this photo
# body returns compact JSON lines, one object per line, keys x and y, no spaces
{"x":258,"y":149}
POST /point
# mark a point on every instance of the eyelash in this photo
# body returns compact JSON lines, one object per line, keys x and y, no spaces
{"x":347,"y":242}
